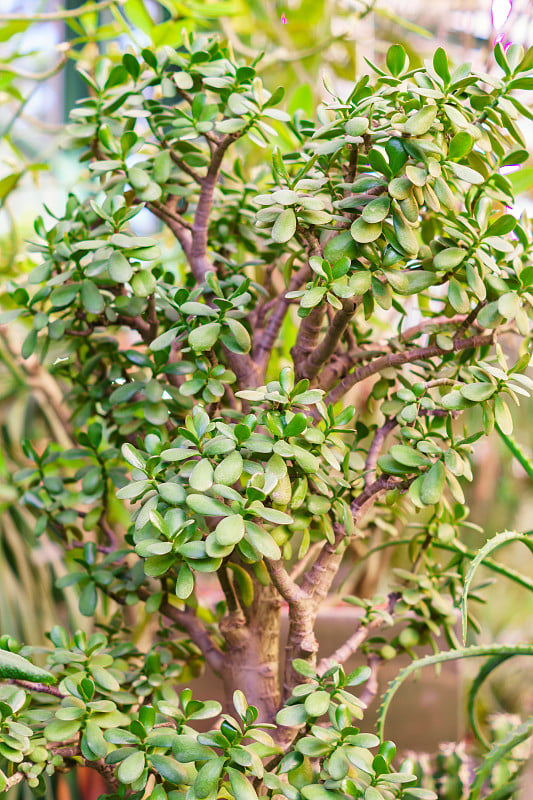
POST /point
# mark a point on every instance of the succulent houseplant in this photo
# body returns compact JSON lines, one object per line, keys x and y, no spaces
{"x":299,"y":361}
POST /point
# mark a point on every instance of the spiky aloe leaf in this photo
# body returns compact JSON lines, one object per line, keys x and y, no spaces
{"x":439,"y":658}
{"x":493,"y":544}
{"x":460,"y":549}
{"x":523,"y":459}
{"x":495,"y":755}
{"x":504,"y":792}
{"x":480,"y":678}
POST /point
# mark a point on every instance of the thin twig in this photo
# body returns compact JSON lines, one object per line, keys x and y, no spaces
{"x":275,"y":321}
{"x":15,"y":779}
{"x":37,"y":77}
{"x":374,"y":450}
{"x":467,"y":322}
{"x":309,"y":330}
{"x":317,"y":581}
{"x":338,"y":367}
{"x":167,"y":212}
{"x":371,"y":688}
{"x":427,"y":323}
{"x":354,"y":642}
{"x":227,"y":588}
{"x":42,"y":688}
{"x":189,"y":622}
{"x":405,"y":357}
{"x":343,"y":653}
{"x":110,"y":535}
{"x":152,"y":316}
{"x":299,"y":568}
{"x":185,"y":167}
{"x":178,"y":228}
{"x":50,"y":16}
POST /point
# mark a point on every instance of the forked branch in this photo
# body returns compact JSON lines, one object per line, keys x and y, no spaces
{"x":286,"y":586}
{"x":301,"y":642}
{"x":187,"y":621}
{"x":320,"y":355}
{"x":275,"y":321}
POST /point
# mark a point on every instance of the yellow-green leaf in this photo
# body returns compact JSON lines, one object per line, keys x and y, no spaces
{"x":422,"y":121}
{"x":364,"y":232}
{"x":284,"y":227}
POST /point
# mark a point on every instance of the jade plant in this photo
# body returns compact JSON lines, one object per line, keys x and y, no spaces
{"x":291,"y":371}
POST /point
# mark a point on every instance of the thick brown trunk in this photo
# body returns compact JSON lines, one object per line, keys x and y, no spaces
{"x":251,"y":661}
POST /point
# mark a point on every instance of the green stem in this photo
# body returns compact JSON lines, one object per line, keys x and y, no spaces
{"x":493,"y":565}
{"x":516,"y":450}
{"x":35,"y":76}
{"x":58,"y":15}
